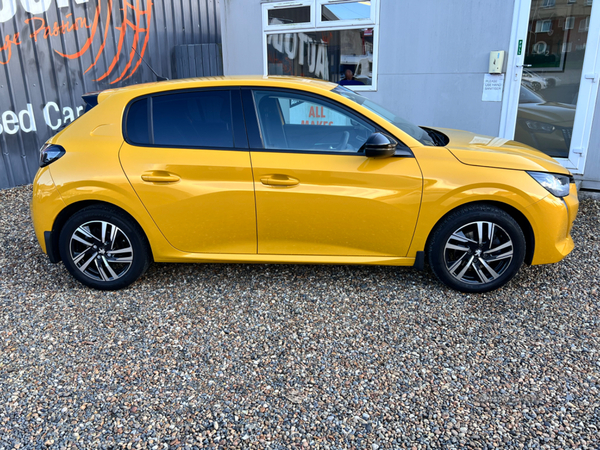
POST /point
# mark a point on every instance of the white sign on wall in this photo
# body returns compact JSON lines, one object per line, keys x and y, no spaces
{"x":492,"y":87}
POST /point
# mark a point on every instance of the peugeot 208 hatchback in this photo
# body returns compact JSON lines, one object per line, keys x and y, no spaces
{"x":290,"y":170}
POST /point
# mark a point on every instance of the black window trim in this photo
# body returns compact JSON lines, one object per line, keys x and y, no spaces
{"x":238,"y":132}
{"x":256,"y":140}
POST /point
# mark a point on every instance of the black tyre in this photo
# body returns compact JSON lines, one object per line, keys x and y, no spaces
{"x":476,"y":249}
{"x":103,"y":248}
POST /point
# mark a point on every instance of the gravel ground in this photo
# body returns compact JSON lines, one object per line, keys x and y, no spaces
{"x":265,"y":356}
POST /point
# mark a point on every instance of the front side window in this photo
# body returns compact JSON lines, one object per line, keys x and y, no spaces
{"x":291,"y":121}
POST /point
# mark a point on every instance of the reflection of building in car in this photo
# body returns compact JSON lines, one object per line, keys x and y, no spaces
{"x":544,"y":125}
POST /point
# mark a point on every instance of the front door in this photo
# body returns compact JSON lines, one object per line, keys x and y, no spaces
{"x":316,"y":194}
{"x":191,"y":169}
{"x":556,"y":62}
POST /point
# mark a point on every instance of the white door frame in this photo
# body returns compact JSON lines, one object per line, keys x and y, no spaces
{"x":588,"y":89}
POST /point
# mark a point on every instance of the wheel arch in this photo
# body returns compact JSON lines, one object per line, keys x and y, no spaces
{"x":73,"y":208}
{"x":517,"y":215}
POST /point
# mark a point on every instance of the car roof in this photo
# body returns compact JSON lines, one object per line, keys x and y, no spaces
{"x":240,"y":80}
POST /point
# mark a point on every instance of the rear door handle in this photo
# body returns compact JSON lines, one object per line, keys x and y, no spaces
{"x":279,"y":180}
{"x":160,"y":176}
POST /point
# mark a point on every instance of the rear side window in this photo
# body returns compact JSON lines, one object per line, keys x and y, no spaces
{"x":138,"y":131}
{"x":193,"y":119}
{"x":190,"y":119}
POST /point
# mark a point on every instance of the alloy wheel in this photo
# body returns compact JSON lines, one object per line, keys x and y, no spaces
{"x":478,"y":253}
{"x":101,"y":250}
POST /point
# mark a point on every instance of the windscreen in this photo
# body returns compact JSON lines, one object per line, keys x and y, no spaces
{"x":409,"y":128}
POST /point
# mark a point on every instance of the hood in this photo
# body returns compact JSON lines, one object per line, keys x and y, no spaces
{"x":477,"y":150}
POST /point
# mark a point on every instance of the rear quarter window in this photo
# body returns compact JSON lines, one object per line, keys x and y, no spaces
{"x":138,"y":130}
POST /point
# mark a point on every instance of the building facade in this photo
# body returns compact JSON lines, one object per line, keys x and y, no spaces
{"x":523,"y":69}
{"x":54,"y":51}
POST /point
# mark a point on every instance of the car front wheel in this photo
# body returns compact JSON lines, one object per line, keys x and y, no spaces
{"x":477,"y":249}
{"x":103,"y":248}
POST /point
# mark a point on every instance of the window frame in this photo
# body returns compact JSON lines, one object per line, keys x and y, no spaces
{"x":254,"y":127}
{"x":317,"y":26}
{"x":266,"y":7}
{"x":238,"y":132}
{"x":342,"y":23}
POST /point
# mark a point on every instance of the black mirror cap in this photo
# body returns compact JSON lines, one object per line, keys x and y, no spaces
{"x":379,"y":145}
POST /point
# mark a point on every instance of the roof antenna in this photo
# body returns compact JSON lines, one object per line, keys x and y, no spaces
{"x":158,"y":77}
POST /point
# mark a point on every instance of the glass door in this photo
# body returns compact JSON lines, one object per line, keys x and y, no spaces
{"x":556,"y":58}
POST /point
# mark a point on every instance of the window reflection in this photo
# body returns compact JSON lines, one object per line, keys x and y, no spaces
{"x":327,"y":55}
{"x":554,"y":54}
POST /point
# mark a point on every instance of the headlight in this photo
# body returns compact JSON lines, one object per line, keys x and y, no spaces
{"x":557,"y":185}
{"x":540,"y":127}
{"x":50,"y":153}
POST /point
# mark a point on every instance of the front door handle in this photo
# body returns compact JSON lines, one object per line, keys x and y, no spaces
{"x":160,"y":176}
{"x":279,"y":180}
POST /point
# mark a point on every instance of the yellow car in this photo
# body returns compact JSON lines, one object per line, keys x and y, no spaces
{"x":290,"y":170}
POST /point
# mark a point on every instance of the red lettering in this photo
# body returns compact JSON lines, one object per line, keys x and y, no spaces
{"x":312,"y":112}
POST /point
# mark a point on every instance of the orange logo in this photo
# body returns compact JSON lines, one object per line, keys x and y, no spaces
{"x":132,"y":16}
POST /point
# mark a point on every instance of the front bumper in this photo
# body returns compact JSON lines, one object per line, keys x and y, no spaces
{"x":552,"y":220}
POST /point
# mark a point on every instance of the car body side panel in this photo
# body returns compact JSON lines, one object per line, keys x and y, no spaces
{"x":209,"y":209}
{"x":448,"y":185}
{"x":342,"y":204}
{"x":46,"y":204}
{"x":90,"y":169}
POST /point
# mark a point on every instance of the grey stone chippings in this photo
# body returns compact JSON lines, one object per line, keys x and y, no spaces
{"x":266,"y":356}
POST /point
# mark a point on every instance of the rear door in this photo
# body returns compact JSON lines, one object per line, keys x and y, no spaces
{"x":315,"y":193}
{"x":186,"y":155}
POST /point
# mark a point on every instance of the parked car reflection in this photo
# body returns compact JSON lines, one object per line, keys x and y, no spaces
{"x":547,"y":126}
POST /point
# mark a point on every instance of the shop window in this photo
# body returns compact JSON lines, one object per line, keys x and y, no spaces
{"x":287,"y":15}
{"x":338,"y":44}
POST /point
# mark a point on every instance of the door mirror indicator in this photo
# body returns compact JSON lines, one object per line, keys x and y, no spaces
{"x":378,"y":145}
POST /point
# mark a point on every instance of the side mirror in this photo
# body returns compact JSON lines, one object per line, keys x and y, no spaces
{"x":378,"y":145}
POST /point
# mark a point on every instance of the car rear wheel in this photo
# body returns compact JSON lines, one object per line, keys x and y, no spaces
{"x":103,"y":248}
{"x":477,"y":249}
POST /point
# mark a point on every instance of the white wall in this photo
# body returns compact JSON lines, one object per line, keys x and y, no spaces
{"x":433,"y":55}
{"x":241,"y":34}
